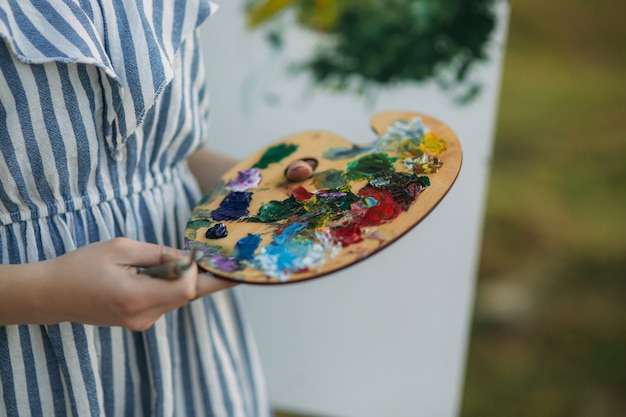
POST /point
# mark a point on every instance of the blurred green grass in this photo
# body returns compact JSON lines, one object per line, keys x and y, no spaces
{"x":549,"y":328}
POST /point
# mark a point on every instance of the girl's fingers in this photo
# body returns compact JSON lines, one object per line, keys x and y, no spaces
{"x":148,"y":298}
{"x":192,"y":284}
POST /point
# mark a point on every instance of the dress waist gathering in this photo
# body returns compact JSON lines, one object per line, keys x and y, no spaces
{"x":142,"y":186}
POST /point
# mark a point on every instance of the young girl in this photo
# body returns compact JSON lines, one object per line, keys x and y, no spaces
{"x":103,"y":119}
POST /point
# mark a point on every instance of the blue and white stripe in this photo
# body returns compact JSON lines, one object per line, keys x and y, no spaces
{"x":100,"y":104}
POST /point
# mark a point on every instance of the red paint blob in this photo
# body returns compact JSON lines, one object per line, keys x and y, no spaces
{"x":348,"y":235}
{"x":301,"y":194}
{"x":384,"y":211}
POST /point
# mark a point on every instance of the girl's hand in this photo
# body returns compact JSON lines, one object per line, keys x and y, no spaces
{"x":99,"y":284}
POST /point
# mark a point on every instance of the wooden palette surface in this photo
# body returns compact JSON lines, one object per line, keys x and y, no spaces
{"x":360,"y":199}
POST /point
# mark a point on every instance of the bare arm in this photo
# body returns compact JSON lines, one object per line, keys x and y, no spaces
{"x":208,"y":166}
{"x":99,"y":284}
{"x":20,"y":293}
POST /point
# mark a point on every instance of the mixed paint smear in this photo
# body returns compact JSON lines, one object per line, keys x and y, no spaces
{"x":416,"y":146}
{"x":311,"y":226}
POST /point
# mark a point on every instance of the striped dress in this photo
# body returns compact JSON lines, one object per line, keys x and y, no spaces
{"x":101,"y":101}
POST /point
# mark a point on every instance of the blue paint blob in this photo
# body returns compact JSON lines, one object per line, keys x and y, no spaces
{"x":334,"y":154}
{"x":369,"y":202}
{"x":234,"y":206}
{"x":217,"y":232}
{"x":294,"y":249}
{"x":245,"y":247}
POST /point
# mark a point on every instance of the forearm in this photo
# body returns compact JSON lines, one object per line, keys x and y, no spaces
{"x":21,"y":295}
{"x":208,"y":166}
{"x":99,"y":284}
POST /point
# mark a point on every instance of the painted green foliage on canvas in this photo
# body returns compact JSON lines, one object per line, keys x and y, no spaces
{"x":383,"y":42}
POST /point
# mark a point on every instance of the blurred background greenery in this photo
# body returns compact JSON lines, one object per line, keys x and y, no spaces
{"x":548,"y":335}
{"x":414,"y":40}
{"x":549,"y":328}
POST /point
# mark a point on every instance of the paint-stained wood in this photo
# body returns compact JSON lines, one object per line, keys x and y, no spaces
{"x":274,"y":186}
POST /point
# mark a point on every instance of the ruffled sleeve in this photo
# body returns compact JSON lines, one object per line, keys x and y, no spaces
{"x":133,"y":42}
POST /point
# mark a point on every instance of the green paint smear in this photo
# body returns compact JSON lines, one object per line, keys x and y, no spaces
{"x":324,"y":209}
{"x":315,"y":213}
{"x":332,"y":178}
{"x":275,"y":154}
{"x":333,"y":209}
{"x":278,"y":210}
{"x":193,"y":227}
{"x":318,"y":221}
{"x":339,"y":203}
{"x":370,"y":166}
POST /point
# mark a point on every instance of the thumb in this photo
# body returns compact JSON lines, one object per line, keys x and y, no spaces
{"x":208,"y":284}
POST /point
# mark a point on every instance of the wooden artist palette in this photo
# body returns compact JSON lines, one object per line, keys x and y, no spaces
{"x":256,"y":227}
